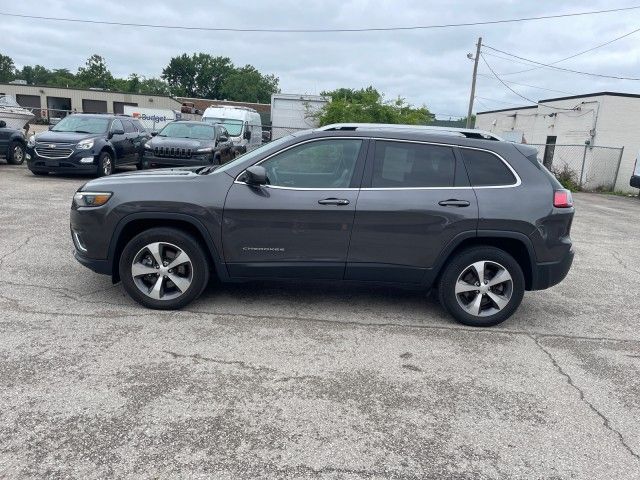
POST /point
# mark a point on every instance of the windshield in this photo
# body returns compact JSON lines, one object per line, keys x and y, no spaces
{"x":253,"y":153}
{"x":197,"y":131}
{"x":234,"y":127}
{"x":82,"y":124}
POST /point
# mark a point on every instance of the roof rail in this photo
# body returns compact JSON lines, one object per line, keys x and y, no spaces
{"x":464,"y":132}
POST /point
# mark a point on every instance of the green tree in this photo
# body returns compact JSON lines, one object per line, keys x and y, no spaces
{"x":247,"y":84}
{"x":62,"y":77}
{"x":7,"y":68}
{"x":95,"y":73}
{"x":367,"y":105}
{"x":199,"y":75}
{"x":36,"y":75}
{"x":154,"y":86}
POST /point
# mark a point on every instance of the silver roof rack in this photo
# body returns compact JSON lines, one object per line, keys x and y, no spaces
{"x":462,"y":132}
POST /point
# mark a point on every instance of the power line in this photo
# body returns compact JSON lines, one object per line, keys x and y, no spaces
{"x":513,"y":91}
{"x":317,"y":30}
{"x":526,"y":85}
{"x":546,"y":65}
{"x":579,"y":53}
{"x":496,"y":101}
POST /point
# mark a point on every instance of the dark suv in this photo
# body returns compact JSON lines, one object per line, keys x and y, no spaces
{"x":87,"y":143}
{"x":185,"y":143}
{"x":480,"y":220}
{"x":12,"y":144}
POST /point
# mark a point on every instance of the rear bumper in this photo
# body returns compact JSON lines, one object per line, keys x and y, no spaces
{"x":548,"y":274}
{"x":635,"y":181}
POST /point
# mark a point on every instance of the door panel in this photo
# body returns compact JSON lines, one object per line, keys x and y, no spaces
{"x":300,"y":224}
{"x":278,"y":232}
{"x":398,"y":234}
{"x":415,"y":200}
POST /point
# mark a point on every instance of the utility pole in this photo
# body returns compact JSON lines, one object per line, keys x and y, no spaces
{"x":473,"y":82}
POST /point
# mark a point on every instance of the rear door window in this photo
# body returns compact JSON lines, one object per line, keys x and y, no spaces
{"x":412,"y":165}
{"x":486,"y":169}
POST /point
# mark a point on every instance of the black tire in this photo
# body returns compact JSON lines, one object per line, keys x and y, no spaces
{"x":459,"y":265}
{"x":105,"y":164}
{"x":39,"y":172}
{"x":16,"y":153}
{"x":185,"y":242}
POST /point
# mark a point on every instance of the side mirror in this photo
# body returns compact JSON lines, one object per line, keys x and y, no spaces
{"x":256,"y":175}
{"x":3,"y":124}
{"x":154,"y":133}
{"x":247,"y":135}
{"x":222,"y":138}
{"x":118,"y":132}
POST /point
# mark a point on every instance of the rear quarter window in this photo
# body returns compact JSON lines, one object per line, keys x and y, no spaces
{"x":486,"y":169}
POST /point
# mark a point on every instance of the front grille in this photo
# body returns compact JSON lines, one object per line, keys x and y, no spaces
{"x":54,"y":150}
{"x":173,"y":152}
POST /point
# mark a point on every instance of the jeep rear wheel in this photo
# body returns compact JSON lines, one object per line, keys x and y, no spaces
{"x":482,"y":286}
{"x":164,"y":268}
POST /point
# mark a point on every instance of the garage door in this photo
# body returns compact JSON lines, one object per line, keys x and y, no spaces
{"x":118,"y":107}
{"x":94,"y":106}
{"x":32,"y":102}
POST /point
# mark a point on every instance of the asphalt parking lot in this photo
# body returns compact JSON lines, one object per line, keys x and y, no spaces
{"x":316,"y":381}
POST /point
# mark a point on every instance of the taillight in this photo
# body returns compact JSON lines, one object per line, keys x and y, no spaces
{"x":562,"y":199}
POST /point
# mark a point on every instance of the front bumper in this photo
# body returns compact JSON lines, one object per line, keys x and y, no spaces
{"x":71,"y":164}
{"x":635,"y":181}
{"x":194,"y":161}
{"x":548,"y":274}
{"x":98,"y":266}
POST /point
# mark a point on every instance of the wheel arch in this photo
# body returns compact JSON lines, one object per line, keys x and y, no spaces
{"x":133,"y":224}
{"x":516,"y":244}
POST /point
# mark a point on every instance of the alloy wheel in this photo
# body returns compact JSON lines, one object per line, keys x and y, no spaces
{"x":18,"y":154}
{"x":107,"y":165}
{"x":162,"y":271}
{"x":484,"y":288}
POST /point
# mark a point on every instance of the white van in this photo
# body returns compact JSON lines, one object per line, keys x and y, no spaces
{"x":243,"y":124}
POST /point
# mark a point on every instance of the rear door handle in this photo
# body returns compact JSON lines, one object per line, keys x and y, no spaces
{"x":452,"y":202}
{"x":334,"y":201}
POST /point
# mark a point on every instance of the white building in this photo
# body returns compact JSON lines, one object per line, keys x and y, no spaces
{"x":291,"y":112}
{"x":57,"y":102}
{"x":607,"y":119}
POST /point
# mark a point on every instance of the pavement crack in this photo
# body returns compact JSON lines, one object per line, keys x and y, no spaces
{"x":583,"y":398}
{"x":238,"y":363}
{"x":622,"y":263}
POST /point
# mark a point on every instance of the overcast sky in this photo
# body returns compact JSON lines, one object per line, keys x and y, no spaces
{"x":427,"y":66}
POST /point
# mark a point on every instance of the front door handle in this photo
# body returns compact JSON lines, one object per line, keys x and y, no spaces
{"x":334,"y":201}
{"x":452,"y":202}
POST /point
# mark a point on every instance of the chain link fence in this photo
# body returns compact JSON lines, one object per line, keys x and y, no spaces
{"x":581,"y":167}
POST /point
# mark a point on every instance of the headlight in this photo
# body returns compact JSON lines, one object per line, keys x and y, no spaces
{"x":205,"y":150}
{"x":32,"y":141}
{"x":85,"y":144}
{"x":91,"y":199}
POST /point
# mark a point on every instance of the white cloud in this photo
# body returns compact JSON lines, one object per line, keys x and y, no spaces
{"x":425,"y":66}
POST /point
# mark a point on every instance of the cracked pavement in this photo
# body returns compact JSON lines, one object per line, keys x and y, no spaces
{"x":266,"y":380}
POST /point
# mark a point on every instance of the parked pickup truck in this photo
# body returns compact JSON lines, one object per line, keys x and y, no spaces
{"x":12,"y":144}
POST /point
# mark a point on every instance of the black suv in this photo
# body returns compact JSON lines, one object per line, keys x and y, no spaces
{"x":87,"y":143}
{"x":12,"y":144}
{"x":185,"y":143}
{"x":480,"y":220}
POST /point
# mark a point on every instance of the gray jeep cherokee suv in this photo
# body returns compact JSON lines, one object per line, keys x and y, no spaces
{"x":480,"y":220}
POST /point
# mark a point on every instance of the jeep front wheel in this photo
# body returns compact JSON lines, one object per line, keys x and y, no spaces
{"x":164,"y":268}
